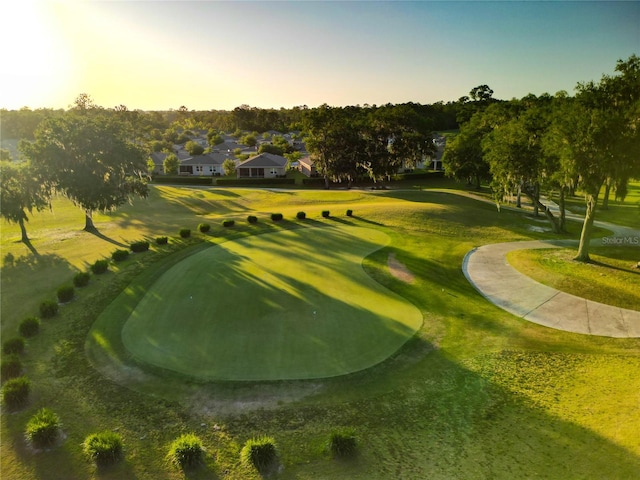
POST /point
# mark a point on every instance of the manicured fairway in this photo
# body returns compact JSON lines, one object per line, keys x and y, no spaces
{"x":288,"y":305}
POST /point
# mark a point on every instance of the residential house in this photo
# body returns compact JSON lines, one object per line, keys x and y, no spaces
{"x":203,"y":165}
{"x":265,"y":165}
{"x":307,"y":167}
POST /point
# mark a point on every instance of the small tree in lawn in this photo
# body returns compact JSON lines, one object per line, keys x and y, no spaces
{"x":171,"y":164}
{"x":21,"y":191}
{"x":229,"y":167}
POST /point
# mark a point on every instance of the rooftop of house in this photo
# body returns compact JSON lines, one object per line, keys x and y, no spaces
{"x":265,"y":160}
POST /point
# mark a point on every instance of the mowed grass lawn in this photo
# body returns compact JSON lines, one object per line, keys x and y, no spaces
{"x":295,"y":304}
{"x":474,"y":393}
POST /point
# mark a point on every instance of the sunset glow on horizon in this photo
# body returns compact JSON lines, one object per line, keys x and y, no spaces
{"x":218,"y":55}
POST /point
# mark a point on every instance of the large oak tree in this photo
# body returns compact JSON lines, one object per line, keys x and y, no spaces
{"x":89,"y":159}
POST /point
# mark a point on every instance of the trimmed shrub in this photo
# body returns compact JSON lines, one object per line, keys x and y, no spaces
{"x":252,"y":219}
{"x":260,"y":452}
{"x":276,"y":217}
{"x":13,"y":345}
{"x":43,"y":428}
{"x":162,"y":240}
{"x":186,"y":451}
{"x":81,"y":279}
{"x":139,"y":247}
{"x":325,"y":213}
{"x":48,"y":309}
{"x":10,"y":367}
{"x":15,"y":392}
{"x":185,"y":232}
{"x":301,"y":215}
{"x":100,"y":267}
{"x":183,"y":179}
{"x":204,"y":227}
{"x":349,"y":213}
{"x":65,"y":293}
{"x":228,"y":223}
{"x":342,"y":443}
{"x":120,"y":255}
{"x":103,"y":448}
{"x":29,"y":327}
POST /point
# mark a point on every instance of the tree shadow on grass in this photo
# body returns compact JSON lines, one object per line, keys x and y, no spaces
{"x":102,"y":236}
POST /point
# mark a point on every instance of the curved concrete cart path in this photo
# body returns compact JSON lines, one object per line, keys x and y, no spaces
{"x":489,"y":272}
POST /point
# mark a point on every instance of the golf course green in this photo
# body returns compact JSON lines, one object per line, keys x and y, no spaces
{"x":294,"y":304}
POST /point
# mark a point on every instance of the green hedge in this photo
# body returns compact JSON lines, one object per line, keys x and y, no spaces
{"x":81,"y":279}
{"x":100,"y":267}
{"x":140,"y":246}
{"x":29,"y":327}
{"x":48,"y":309}
{"x":183,"y":179}
{"x":228,"y":223}
{"x":120,"y":255}
{"x":13,"y":345}
{"x":255,"y":181}
{"x":252,"y":219}
{"x":315,"y":181}
{"x":10,"y":367}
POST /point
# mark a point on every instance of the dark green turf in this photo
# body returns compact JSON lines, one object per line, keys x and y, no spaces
{"x":289,"y":305}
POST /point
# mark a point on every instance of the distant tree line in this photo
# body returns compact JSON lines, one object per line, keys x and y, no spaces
{"x":555,"y":143}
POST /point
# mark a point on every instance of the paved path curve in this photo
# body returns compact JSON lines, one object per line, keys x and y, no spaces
{"x":489,"y":272}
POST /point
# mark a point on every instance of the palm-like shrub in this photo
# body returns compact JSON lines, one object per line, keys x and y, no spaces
{"x":185,"y":232}
{"x":204,"y":227}
{"x":252,"y":219}
{"x":100,"y":266}
{"x":103,"y":448}
{"x":260,"y":452}
{"x":48,"y":309}
{"x":13,"y":345}
{"x":81,"y":279}
{"x":342,"y":442}
{"x":29,"y":327}
{"x":10,"y":367}
{"x":15,"y":392}
{"x":186,"y":451}
{"x":65,"y":293}
{"x":301,"y":215}
{"x":43,"y":428}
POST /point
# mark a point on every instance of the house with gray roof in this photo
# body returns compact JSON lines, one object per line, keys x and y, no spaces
{"x":265,"y":165}
{"x":203,"y":165}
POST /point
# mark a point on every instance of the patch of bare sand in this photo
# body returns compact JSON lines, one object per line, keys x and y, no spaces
{"x":399,"y":270}
{"x":207,"y":401}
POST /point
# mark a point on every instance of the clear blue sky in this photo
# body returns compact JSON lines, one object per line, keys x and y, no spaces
{"x":218,"y":55}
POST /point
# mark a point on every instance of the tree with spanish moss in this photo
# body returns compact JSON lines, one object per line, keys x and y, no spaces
{"x":90,"y":160}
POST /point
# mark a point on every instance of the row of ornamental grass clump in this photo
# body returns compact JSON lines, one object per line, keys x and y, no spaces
{"x":43,"y":429}
{"x":16,"y":387}
{"x":251,"y":219}
{"x":187,"y":451}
